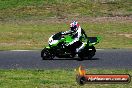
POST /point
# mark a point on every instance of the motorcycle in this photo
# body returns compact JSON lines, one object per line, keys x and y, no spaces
{"x":57,"y":47}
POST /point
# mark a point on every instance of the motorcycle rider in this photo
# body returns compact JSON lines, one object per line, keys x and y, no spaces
{"x":78,"y":35}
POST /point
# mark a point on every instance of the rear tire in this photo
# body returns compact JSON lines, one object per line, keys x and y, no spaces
{"x":87,"y":53}
{"x":91,"y":52}
{"x":46,"y":54}
{"x":81,"y":56}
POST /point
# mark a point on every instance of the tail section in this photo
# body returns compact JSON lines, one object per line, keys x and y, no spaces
{"x":94,"y":40}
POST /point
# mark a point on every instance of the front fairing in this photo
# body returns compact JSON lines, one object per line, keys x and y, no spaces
{"x":53,"y":42}
{"x":55,"y":39}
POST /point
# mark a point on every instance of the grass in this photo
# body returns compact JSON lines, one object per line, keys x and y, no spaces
{"x":23,"y":26}
{"x":35,"y":35}
{"x":41,"y":9}
{"x":53,"y":78}
{"x":27,"y":24}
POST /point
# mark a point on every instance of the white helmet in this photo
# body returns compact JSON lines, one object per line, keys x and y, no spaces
{"x":74,"y":25}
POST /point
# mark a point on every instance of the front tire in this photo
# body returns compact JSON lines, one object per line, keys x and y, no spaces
{"x":46,"y":54}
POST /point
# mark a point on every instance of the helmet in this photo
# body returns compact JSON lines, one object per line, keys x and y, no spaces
{"x":74,"y":25}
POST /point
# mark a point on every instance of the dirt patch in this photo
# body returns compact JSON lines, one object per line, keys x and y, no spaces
{"x":54,"y":20}
{"x":127,"y":35}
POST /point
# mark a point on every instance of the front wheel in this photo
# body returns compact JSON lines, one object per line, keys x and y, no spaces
{"x":46,"y":54}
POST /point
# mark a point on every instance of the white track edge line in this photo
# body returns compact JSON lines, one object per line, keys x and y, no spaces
{"x":37,"y":50}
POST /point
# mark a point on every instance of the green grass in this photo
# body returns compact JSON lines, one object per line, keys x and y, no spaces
{"x":53,"y":79}
{"x":22,"y":26}
{"x":35,"y":35}
{"x":27,"y":24}
{"x":41,"y":9}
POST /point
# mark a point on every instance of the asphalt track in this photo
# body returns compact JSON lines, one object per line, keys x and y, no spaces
{"x":109,"y":58}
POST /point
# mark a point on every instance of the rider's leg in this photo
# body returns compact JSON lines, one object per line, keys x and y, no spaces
{"x":81,"y":47}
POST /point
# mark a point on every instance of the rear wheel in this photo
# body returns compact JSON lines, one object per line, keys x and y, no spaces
{"x":81,"y":56}
{"x":92,"y":51}
{"x":46,"y":54}
{"x":87,"y":52}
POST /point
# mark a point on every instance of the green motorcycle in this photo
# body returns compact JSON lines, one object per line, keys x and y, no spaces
{"x":57,"y":47}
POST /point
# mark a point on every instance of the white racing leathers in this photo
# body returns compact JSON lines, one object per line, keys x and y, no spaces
{"x":79,"y":34}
